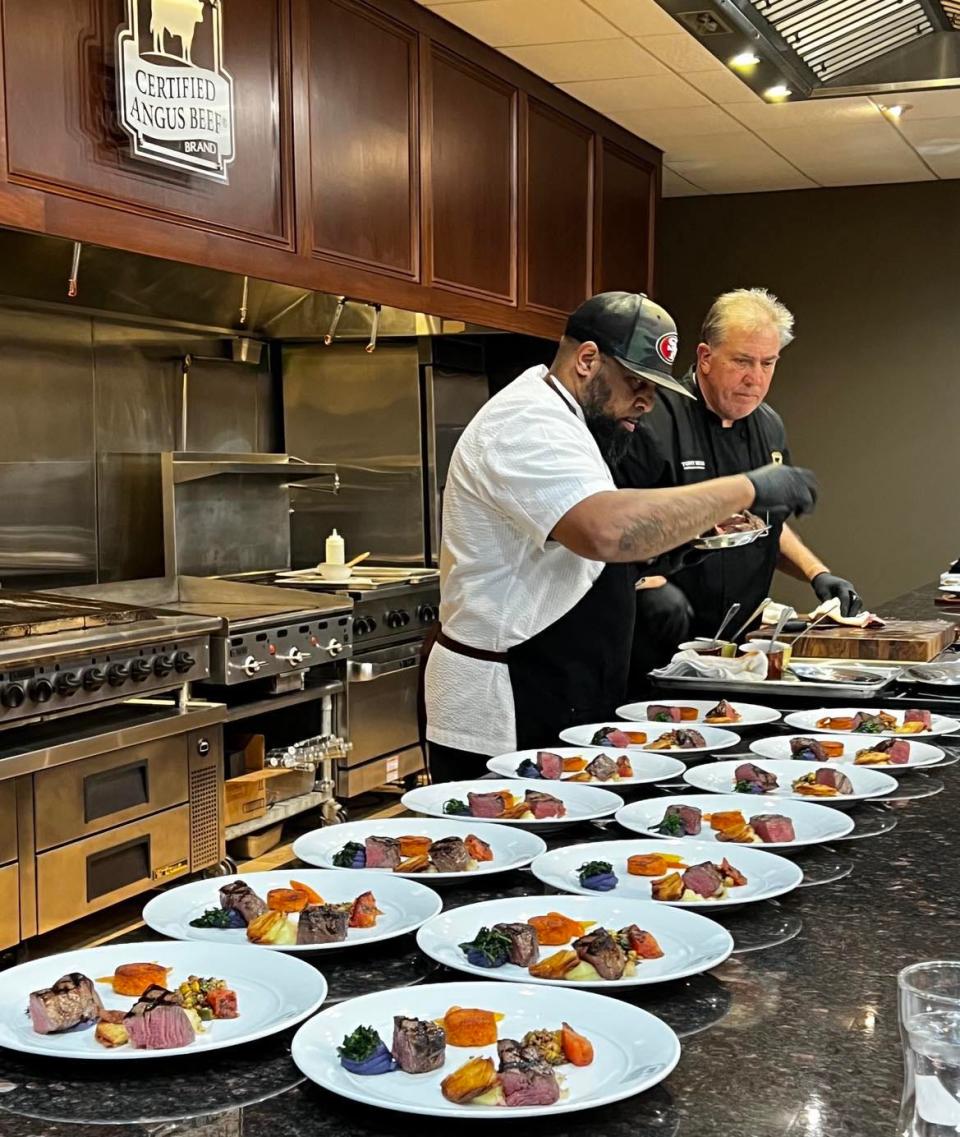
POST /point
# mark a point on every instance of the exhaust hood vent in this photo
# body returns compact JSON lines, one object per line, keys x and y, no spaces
{"x":952,"y":10}
{"x":705,"y":23}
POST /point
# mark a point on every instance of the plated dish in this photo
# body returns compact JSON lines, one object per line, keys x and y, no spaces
{"x":513,"y":803}
{"x":914,"y":722}
{"x":316,"y":911}
{"x":708,"y":712}
{"x":895,"y":755}
{"x":643,"y":737}
{"x":152,"y":1000}
{"x":804,"y":781}
{"x":506,"y":848}
{"x":729,"y":820}
{"x":599,"y":766}
{"x":523,"y":1051}
{"x":576,"y":941}
{"x":688,"y":875}
{"x":740,"y":529}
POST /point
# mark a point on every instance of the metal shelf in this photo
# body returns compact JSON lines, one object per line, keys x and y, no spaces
{"x":280,"y":702}
{"x":279,"y":811}
{"x":191,"y":467}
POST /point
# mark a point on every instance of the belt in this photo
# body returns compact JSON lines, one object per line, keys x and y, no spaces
{"x":471,"y":652}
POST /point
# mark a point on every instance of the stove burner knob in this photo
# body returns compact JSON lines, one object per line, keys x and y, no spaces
{"x":427,"y":613}
{"x":334,"y":647}
{"x":13,"y":695}
{"x":295,"y":656}
{"x":69,"y":682}
{"x":40,"y":689}
{"x":398,"y":618}
{"x":94,"y":678}
{"x":118,"y":674}
{"x":164,"y":664}
{"x":183,"y":661}
{"x":361,"y":625}
{"x":371,"y":624}
{"x":140,"y":669}
{"x":249,"y":667}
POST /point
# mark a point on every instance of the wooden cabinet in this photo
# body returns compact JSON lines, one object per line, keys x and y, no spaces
{"x":364,"y":162}
{"x":558,"y":211}
{"x":470,"y":178}
{"x":625,"y":218}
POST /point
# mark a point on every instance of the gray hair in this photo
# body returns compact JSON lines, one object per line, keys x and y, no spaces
{"x":747,"y":308}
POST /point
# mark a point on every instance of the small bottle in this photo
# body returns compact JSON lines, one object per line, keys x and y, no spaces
{"x":334,"y":552}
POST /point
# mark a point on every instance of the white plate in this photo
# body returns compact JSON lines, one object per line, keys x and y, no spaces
{"x":807,"y":720}
{"x":767,"y":874}
{"x":633,"y":1050}
{"x":751,"y":714}
{"x":512,"y":848}
{"x":691,"y":944}
{"x":405,"y":905}
{"x":273,"y":992}
{"x":583,"y":802}
{"x":714,"y":738}
{"x":921,"y":753}
{"x":717,"y":778}
{"x":812,"y":823}
{"x":650,"y":767}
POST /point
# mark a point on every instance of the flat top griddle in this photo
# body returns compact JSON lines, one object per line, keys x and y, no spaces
{"x":40,"y":614}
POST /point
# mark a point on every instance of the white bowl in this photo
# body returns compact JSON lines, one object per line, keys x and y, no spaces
{"x":338,"y":574}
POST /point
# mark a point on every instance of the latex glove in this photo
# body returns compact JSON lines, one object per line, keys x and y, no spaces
{"x":830,"y":587}
{"x":783,"y":489}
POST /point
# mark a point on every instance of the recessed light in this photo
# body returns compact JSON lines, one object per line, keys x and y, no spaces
{"x":745,"y":59}
{"x":896,"y":110}
{"x":780,"y":91}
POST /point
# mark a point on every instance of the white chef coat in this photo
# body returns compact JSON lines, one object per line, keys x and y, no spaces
{"x":522,"y":463}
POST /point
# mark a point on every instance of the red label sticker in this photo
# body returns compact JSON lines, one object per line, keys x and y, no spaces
{"x":667,"y":347}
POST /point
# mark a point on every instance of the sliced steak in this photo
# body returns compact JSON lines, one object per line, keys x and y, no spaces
{"x":602,"y":768}
{"x":691,"y":818}
{"x":240,"y":897}
{"x":773,"y":827}
{"x":524,"y":945}
{"x":524,"y":1076}
{"x":689,"y":739}
{"x":157,"y":1021}
{"x":831,"y":776}
{"x":611,"y":736}
{"x":748,"y":772}
{"x":896,"y":749}
{"x":703,"y":879}
{"x":382,"y":852}
{"x":723,"y":710}
{"x":486,"y":805}
{"x":658,"y":713}
{"x":550,"y":765}
{"x":72,"y":1000}
{"x":603,"y":952}
{"x":419,"y":1046}
{"x":449,"y":854}
{"x":544,"y":805}
{"x":915,"y":715}
{"x":808,"y":749}
{"x":322,"y":924}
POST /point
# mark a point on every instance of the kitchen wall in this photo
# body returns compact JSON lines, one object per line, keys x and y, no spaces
{"x":80,"y":396}
{"x":869,"y":389}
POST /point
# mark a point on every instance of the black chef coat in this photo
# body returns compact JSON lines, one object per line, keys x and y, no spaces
{"x":682,"y":442}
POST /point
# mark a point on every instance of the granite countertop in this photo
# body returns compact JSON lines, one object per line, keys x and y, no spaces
{"x":794,"y":1036}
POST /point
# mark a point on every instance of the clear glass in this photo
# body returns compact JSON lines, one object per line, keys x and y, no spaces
{"x":929,"y":996}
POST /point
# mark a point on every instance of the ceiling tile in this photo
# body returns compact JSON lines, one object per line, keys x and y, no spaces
{"x":681,"y":52}
{"x":926,"y":104}
{"x":611,"y":95}
{"x":775,"y":116}
{"x":723,"y":87}
{"x":675,"y":186}
{"x":507,"y":23}
{"x":663,"y":126}
{"x":590,"y":59}
{"x":743,"y":177}
{"x":846,"y":154}
{"x":938,"y":141}
{"x":636,"y":17}
{"x":729,"y":148}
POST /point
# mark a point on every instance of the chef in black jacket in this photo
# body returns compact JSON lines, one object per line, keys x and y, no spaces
{"x":726,"y":429}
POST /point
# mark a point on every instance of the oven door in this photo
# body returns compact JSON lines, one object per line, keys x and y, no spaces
{"x":383,"y":701}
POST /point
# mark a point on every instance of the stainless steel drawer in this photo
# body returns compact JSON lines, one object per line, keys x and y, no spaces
{"x":9,"y":906}
{"x":382,"y":702}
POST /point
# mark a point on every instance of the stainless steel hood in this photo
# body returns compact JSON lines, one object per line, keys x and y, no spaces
{"x":41,"y":270}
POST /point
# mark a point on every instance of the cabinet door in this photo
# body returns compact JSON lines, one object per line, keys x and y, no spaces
{"x":627,"y":192}
{"x":363,"y":137}
{"x":558,"y":211}
{"x":63,"y":130}
{"x":471,"y":172}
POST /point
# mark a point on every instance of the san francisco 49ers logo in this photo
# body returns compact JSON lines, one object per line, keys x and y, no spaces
{"x":667,"y":347}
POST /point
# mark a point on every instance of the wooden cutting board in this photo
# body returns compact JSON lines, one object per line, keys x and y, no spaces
{"x":905,"y":641}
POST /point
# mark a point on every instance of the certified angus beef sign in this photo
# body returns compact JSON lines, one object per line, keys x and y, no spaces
{"x":174,"y":93}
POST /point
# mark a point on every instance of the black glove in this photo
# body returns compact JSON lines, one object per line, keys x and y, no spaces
{"x":830,"y":587}
{"x":783,"y":489}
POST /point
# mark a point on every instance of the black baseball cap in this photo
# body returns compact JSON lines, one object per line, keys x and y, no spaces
{"x":639,"y":334}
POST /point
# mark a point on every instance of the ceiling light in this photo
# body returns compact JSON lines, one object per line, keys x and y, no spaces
{"x":896,"y":111}
{"x":745,"y":59}
{"x":780,"y":91}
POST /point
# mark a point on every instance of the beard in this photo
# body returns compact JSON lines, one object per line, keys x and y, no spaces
{"x":612,"y":439}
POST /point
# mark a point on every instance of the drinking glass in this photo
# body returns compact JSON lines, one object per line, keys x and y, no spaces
{"x":930,"y":1032}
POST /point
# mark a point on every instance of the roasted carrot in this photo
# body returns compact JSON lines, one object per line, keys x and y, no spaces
{"x":576,"y":1048}
{"x":287,"y":900}
{"x":313,"y":897}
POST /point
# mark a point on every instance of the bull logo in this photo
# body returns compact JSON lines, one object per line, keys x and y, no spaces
{"x":174,"y":94}
{"x":176,"y":19}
